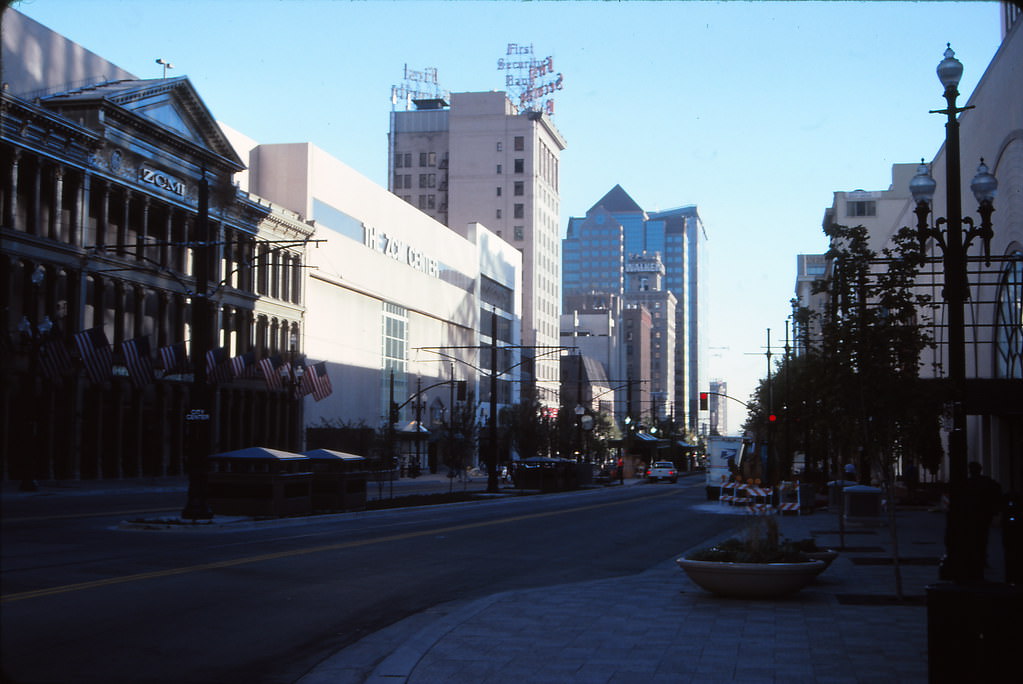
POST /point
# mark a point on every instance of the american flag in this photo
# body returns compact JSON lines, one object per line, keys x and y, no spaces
{"x":95,"y":351}
{"x":317,"y":380}
{"x":218,"y":366}
{"x":270,"y":366}
{"x":242,"y":365}
{"x":54,"y":360}
{"x":136,"y":358}
{"x":174,"y":358}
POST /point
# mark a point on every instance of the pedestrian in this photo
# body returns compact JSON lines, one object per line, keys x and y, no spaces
{"x":621,"y":471}
{"x":983,"y":503}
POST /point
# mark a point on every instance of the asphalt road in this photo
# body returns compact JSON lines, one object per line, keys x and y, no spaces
{"x":86,"y":601}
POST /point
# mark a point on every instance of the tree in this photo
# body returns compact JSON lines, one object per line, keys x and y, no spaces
{"x":855,"y":396}
{"x":530,"y":428}
{"x":463,"y":432}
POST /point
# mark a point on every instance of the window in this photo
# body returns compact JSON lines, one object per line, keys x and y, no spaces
{"x":431,"y":159}
{"x":499,"y":169}
{"x":520,"y":210}
{"x":422,"y":158}
{"x":520,"y":166}
{"x":861,"y":208}
{"x":422,"y":201}
{"x":408,"y":160}
{"x":520,"y":188}
{"x":520,"y":143}
{"x":397,"y":160}
{"x":500,"y":146}
{"x":431,"y":201}
{"x":498,"y":190}
{"x":397,"y":181}
{"x":519,"y":233}
{"x":408,"y":181}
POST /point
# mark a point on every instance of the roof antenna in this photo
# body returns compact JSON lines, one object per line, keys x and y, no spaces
{"x":166,"y":65}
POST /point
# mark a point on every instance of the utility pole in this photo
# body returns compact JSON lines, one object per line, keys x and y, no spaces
{"x":492,"y":483}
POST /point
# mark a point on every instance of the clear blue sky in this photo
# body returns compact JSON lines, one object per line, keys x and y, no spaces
{"x":754,"y":112}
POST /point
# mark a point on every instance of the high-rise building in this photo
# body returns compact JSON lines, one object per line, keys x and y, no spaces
{"x":480,"y":159}
{"x":718,"y":408}
{"x":644,"y":286}
{"x":595,"y":256}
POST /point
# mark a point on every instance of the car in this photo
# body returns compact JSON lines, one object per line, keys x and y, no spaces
{"x":662,"y":470}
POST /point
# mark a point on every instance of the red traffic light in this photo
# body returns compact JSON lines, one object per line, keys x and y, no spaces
{"x":704,"y":401}
{"x":772,"y":418}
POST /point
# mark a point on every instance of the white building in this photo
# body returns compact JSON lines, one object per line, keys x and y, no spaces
{"x":390,"y":291}
{"x":481,"y":160}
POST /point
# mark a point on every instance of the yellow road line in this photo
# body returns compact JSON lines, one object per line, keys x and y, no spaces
{"x":170,"y":572}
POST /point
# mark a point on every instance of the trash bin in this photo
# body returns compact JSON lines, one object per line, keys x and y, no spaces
{"x":863,"y":505}
{"x":339,"y":480}
{"x":545,"y":474}
{"x":807,"y":498}
{"x":835,"y":488}
{"x":259,"y":481}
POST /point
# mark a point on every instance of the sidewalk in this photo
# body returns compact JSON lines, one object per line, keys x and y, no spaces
{"x":660,"y":627}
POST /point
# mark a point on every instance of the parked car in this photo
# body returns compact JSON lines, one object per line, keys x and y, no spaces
{"x":662,"y":470}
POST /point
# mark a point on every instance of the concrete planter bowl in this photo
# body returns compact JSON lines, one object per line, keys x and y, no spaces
{"x":751,"y":580}
{"x":826,"y":555}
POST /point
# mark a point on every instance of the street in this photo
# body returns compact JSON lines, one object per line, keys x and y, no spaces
{"x":84,"y":601}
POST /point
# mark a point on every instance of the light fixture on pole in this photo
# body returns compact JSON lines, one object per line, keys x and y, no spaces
{"x":165,"y":64}
{"x":948,"y":233}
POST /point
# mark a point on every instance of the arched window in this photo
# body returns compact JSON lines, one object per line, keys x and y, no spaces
{"x":1009,"y":320}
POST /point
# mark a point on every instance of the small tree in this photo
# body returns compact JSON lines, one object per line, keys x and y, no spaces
{"x":463,"y":433}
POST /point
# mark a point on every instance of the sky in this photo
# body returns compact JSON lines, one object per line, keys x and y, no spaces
{"x":755,"y":112}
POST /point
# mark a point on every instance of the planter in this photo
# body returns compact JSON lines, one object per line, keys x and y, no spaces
{"x":826,"y":555}
{"x":751,"y":580}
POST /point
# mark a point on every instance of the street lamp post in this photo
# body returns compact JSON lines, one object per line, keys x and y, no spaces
{"x":292,"y":377}
{"x":954,"y":243}
{"x":199,"y":417}
{"x":972,"y":626}
{"x":33,"y":333}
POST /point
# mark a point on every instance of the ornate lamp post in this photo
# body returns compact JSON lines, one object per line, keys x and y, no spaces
{"x":954,"y":243}
{"x":291,"y":375}
{"x":33,"y":334}
{"x":972,"y":626}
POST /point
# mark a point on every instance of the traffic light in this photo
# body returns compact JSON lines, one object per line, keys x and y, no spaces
{"x":772,"y":418}
{"x":704,"y":401}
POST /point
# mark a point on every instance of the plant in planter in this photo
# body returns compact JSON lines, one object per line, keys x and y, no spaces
{"x":809,"y":548}
{"x":756,"y":565}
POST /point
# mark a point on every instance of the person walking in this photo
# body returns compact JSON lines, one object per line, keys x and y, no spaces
{"x":983,"y":503}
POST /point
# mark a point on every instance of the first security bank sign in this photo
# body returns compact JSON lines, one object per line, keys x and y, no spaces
{"x":399,"y":250}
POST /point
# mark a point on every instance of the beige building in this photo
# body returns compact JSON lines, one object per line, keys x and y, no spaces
{"x":992,"y":130}
{"x":389,"y":289}
{"x":481,"y":160}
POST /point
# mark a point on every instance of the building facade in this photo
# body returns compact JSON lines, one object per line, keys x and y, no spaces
{"x":113,"y":192}
{"x":481,"y":160}
{"x":595,"y":255}
{"x":402,"y":309}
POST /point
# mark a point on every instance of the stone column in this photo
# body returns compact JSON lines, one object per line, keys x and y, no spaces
{"x":57,"y":213}
{"x":142,"y":236}
{"x":36,"y":220}
{"x":12,"y":189}
{"x":122,"y":228}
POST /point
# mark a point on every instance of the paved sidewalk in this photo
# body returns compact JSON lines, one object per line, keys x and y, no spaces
{"x":660,"y":627}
